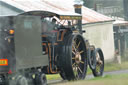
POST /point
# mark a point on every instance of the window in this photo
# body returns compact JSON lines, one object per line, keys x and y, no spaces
{"x":27,"y":24}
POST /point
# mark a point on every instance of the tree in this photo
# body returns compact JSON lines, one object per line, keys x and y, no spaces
{"x":89,"y":3}
{"x":125,"y":3}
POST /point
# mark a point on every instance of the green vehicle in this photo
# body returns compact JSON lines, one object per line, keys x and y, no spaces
{"x":36,"y":43}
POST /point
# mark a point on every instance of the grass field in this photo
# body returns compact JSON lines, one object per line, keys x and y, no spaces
{"x":108,"y":67}
{"x":121,"y":79}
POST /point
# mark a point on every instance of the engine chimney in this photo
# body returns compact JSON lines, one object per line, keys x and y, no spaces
{"x":79,"y":11}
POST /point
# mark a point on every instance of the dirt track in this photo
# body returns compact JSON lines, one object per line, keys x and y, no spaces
{"x":54,"y":82}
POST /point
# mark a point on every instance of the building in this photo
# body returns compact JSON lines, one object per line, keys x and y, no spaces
{"x":107,"y":7}
{"x":99,"y":28}
{"x":121,"y":37}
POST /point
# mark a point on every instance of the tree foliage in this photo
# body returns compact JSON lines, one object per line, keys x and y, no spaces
{"x":88,"y":3}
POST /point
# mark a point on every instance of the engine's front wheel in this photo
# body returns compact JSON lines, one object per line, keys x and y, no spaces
{"x":98,"y":71}
{"x":92,"y":57}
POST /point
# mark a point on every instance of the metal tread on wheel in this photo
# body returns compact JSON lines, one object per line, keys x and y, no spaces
{"x":98,"y":71}
{"x":74,"y":57}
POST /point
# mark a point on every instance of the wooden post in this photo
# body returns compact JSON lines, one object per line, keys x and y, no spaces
{"x":119,"y":49}
{"x":118,"y":56}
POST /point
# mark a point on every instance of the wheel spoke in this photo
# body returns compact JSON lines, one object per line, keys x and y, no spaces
{"x":82,"y":62}
{"x":97,"y":68}
{"x":73,"y":58}
{"x":80,"y":69}
{"x":100,"y":62}
{"x":78,"y":45}
{"x":81,"y":51}
{"x":75,"y":71}
{"x":74,"y":42}
{"x":73,"y":64}
{"x":73,"y":52}
{"x":74,"y":48}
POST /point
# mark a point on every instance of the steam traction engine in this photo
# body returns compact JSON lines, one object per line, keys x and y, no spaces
{"x":36,"y":43}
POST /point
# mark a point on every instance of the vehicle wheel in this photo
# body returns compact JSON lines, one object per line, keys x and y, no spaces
{"x":63,"y":76}
{"x":21,"y":80}
{"x":98,"y":71}
{"x":92,"y":57}
{"x":40,"y":79}
{"x":3,"y":80}
{"x":74,"y":57}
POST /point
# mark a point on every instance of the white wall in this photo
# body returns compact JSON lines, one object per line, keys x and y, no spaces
{"x":101,"y":35}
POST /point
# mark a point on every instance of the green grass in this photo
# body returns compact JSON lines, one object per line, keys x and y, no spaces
{"x":113,"y":66}
{"x":53,"y":76}
{"x":108,"y":67}
{"x":121,"y":79}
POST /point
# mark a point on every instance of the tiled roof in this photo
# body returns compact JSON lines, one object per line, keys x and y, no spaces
{"x":89,"y":16}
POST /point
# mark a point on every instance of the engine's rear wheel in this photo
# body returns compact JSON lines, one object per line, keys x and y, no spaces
{"x":98,"y":71}
{"x":62,"y":75}
{"x":74,"y":58}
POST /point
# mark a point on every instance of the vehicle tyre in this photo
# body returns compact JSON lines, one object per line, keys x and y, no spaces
{"x":3,"y":80}
{"x":21,"y":80}
{"x":40,"y":79}
{"x":74,"y":58}
{"x":92,"y":57}
{"x":98,"y":71}
{"x":62,"y":75}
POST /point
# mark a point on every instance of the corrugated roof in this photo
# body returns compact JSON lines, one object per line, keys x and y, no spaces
{"x":120,"y":23}
{"x":89,"y":16}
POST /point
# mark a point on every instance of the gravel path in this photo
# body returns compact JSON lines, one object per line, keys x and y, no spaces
{"x":51,"y":82}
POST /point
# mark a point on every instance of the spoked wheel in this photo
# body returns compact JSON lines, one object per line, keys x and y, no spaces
{"x":74,"y":58}
{"x":98,"y":71}
{"x":92,"y":57}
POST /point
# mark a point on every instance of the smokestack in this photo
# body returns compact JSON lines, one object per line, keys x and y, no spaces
{"x":78,"y":9}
